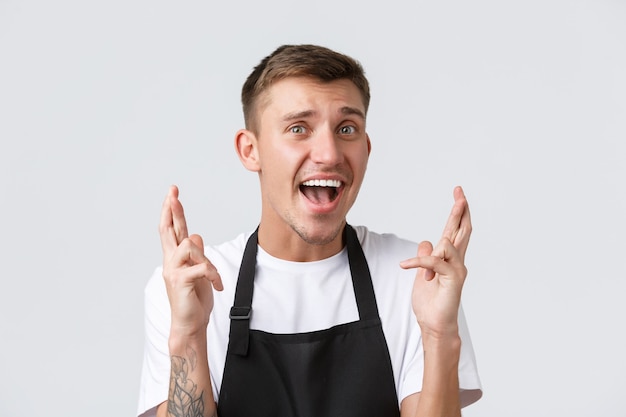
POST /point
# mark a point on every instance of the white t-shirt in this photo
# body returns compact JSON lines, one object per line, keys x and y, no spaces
{"x":295,"y":297}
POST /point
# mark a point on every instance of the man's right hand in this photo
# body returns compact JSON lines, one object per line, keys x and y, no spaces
{"x":189,"y":276}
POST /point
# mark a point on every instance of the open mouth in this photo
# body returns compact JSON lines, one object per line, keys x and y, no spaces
{"x":321,"y":191}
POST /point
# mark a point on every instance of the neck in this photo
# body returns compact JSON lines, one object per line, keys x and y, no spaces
{"x":289,"y":245}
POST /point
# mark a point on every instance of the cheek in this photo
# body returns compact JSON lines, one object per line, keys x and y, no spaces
{"x":278,"y":166}
{"x":359,"y":162}
{"x":286,"y":159}
{"x":278,"y":151}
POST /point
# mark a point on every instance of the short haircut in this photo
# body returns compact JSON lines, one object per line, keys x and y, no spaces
{"x":312,"y":61}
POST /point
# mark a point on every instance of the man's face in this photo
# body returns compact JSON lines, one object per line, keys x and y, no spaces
{"x":313,"y":152}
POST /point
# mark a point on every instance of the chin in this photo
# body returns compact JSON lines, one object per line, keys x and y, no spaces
{"x":319,"y":234}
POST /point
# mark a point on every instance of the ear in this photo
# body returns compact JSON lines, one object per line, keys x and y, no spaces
{"x":369,"y":145}
{"x":247,"y":149}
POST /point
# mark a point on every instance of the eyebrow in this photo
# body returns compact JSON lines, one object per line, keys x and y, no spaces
{"x":352,"y":111}
{"x":346,"y":110}
{"x":297,"y":115}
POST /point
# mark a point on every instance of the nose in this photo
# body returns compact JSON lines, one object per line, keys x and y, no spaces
{"x":326,"y":148}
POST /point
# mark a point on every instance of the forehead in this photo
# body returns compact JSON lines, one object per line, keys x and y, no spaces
{"x":300,"y":94}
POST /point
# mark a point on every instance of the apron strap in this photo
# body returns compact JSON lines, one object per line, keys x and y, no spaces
{"x":241,"y":310}
{"x":361,"y":278}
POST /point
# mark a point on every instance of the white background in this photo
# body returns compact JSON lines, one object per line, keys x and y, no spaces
{"x":104,"y":104}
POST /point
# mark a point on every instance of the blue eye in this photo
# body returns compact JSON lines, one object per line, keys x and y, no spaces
{"x":347,"y":130}
{"x":298,"y":130}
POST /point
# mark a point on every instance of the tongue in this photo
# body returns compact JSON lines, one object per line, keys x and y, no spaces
{"x":319,"y":195}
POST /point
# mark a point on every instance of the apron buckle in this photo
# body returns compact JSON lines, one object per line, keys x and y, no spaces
{"x":240,"y":313}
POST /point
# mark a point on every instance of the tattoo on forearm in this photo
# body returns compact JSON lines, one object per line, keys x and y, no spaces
{"x":184,"y":400}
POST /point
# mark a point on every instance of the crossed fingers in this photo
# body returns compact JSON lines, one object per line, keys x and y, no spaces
{"x":180,"y":249}
{"x":450,"y":252}
{"x":173,"y":226}
{"x":459,"y":225}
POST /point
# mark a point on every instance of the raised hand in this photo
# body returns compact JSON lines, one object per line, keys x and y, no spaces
{"x":189,"y":276}
{"x":441,"y":274}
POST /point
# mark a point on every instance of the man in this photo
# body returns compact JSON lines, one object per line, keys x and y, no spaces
{"x":339,"y":324}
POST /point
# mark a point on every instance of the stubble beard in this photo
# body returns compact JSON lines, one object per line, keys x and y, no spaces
{"x":307,"y":237}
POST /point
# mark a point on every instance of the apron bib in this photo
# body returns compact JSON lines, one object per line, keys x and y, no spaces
{"x":343,"y":371}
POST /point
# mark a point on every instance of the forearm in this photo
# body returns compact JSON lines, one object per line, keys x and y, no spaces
{"x":440,"y":389}
{"x":190,"y":392}
{"x":440,"y":386}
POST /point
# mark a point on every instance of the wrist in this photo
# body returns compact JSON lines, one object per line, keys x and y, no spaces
{"x":449,"y":341}
{"x":180,"y":341}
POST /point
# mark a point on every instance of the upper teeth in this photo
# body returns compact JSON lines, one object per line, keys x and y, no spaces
{"x":322,"y":183}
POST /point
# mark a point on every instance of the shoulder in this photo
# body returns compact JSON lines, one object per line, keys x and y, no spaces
{"x":228,"y":252}
{"x":384,"y":252}
{"x":227,"y":256}
{"x":385,"y":245}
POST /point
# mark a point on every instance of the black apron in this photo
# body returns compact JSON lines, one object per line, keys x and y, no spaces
{"x":342,"y":371}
